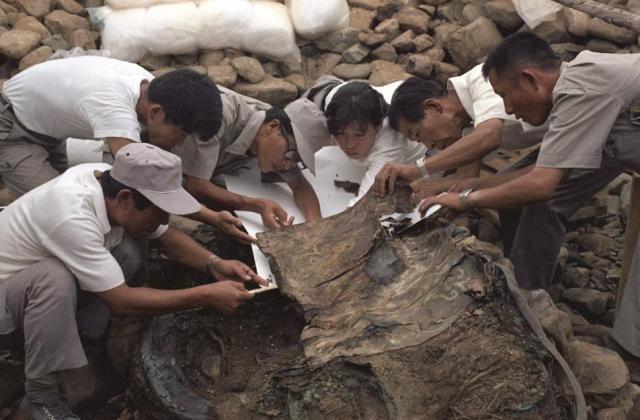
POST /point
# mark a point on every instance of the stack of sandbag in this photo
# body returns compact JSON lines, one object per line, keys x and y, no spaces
{"x":149,"y":27}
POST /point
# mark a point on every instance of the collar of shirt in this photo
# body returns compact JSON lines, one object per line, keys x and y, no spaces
{"x":563,"y":69}
{"x":248,"y":135}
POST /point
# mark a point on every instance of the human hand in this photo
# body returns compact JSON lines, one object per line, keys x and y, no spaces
{"x":223,"y":270}
{"x":274,"y":216}
{"x":226,"y":296}
{"x":449,"y":200}
{"x":231,"y":225}
{"x":425,"y":188}
{"x":388,"y":175}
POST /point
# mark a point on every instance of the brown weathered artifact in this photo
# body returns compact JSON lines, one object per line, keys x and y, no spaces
{"x":425,"y":325}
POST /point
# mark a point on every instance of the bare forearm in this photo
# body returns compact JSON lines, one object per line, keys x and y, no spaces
{"x":182,"y":248}
{"x":307,"y":201}
{"x":218,"y":197}
{"x":144,"y":301}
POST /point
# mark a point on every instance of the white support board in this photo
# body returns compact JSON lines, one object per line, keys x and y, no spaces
{"x":331,"y":164}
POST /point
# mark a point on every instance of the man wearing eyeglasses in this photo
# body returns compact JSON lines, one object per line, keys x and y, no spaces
{"x":283,"y":141}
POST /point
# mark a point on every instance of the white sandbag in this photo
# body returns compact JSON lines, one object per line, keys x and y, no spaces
{"x":534,"y":12}
{"x":260,"y":27}
{"x":172,"y":29}
{"x":132,"y":4}
{"x":223,"y":23}
{"x":312,"y":18}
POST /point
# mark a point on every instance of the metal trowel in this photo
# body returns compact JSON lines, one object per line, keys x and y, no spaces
{"x":396,"y":223}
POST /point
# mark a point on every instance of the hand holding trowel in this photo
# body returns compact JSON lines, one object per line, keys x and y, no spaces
{"x":396,"y":223}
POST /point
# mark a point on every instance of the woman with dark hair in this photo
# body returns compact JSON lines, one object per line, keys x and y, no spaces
{"x":357,"y":119}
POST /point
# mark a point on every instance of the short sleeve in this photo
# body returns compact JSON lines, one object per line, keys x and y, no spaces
{"x":111,"y":113}
{"x":90,"y":262}
{"x":579,"y":126}
{"x":486,"y":103}
{"x":199,"y":158}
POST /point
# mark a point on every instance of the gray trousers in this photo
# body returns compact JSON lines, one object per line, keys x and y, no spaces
{"x":533,"y":235}
{"x":41,"y":301}
{"x":27,"y":159}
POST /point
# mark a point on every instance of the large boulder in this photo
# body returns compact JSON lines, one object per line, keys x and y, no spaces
{"x":271,"y":90}
{"x":592,"y":301}
{"x":553,"y":30}
{"x":600,"y":371}
{"x":385,"y":52}
{"x":414,"y":19}
{"x":36,"y":8}
{"x":249,"y":69}
{"x":17,"y":43}
{"x":421,"y":65}
{"x":469,"y":45}
{"x":383,"y":73}
{"x":504,"y":14}
{"x":554,"y":321}
{"x":360,"y":18}
{"x":32,"y":24}
{"x":39,"y":55}
{"x":223,"y":74}
{"x":355,"y":54}
{"x":352,"y":71}
{"x":338,"y":41}
{"x":61,"y":22}
{"x":577,"y":22}
{"x":600,"y":29}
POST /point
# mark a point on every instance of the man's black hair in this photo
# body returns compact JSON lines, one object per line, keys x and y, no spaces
{"x":190,"y":101}
{"x":355,"y":101}
{"x":408,"y":98}
{"x":111,"y":188}
{"x":519,"y":50}
{"x":275,"y":113}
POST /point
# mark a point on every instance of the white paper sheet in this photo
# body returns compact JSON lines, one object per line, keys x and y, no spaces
{"x":331,"y":164}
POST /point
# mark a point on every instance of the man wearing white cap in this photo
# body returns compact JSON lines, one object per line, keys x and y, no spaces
{"x":281,"y":141}
{"x":72,"y":237}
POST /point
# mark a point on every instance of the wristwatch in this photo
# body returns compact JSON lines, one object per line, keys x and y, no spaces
{"x":464,"y":199}
{"x":424,"y":173}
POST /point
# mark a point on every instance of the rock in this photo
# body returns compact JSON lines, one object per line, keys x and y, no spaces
{"x":436,"y":54}
{"x":435,"y":2}
{"x":388,"y":8}
{"x":423,"y":42}
{"x":589,"y":300}
{"x":298,"y":80}
{"x":223,"y":74}
{"x":17,"y":43}
{"x":361,"y":19}
{"x":314,"y":67}
{"x":504,"y":14}
{"x":554,"y":321}
{"x":444,"y":71}
{"x":443,"y":31}
{"x":272,"y":90}
{"x":389,"y":27}
{"x":576,"y":319}
{"x":414,"y":19}
{"x":625,"y":400}
{"x":249,"y":69}
{"x":338,"y":41}
{"x":613,"y":204}
{"x":602,"y":46}
{"x":366,"y":4}
{"x":3,"y":18}
{"x":599,"y":370}
{"x":272,"y":68}
{"x":598,"y":28}
{"x":469,"y":45}
{"x":383,"y":73}
{"x":420,"y":65}
{"x":553,"y":30}
{"x":32,"y":24}
{"x":155,"y":62}
{"x":57,"y":42}
{"x":450,"y":12}
{"x":36,"y":8}
{"x":198,"y":69}
{"x":7,"y":8}
{"x":164,"y":70}
{"x":592,"y":330}
{"x":352,"y":71}
{"x":567,"y":50}
{"x":430,"y":10}
{"x":404,"y":42}
{"x":600,"y":244}
{"x":611,"y":414}
{"x":13,"y":17}
{"x":372,"y":39}
{"x":211,"y":58}
{"x":471,"y":12}
{"x":185,"y":59}
{"x":575,"y":277}
{"x":355,"y":54}
{"x":39,"y":55}
{"x":576,"y":22}
{"x":71,"y":6}
{"x":615,"y":186}
{"x":385,"y":52}
{"x":61,"y":22}
{"x":84,"y":39}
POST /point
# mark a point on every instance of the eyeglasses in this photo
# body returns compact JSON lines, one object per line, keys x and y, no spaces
{"x":292,"y":154}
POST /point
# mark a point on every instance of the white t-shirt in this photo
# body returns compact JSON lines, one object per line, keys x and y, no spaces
{"x":482,"y":104}
{"x":85,"y":97}
{"x":65,"y":218}
{"x":390,"y":145}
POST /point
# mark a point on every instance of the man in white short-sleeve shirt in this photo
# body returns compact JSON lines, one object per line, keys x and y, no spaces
{"x":65,"y":238}
{"x":92,"y":97}
{"x":467,"y":122}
